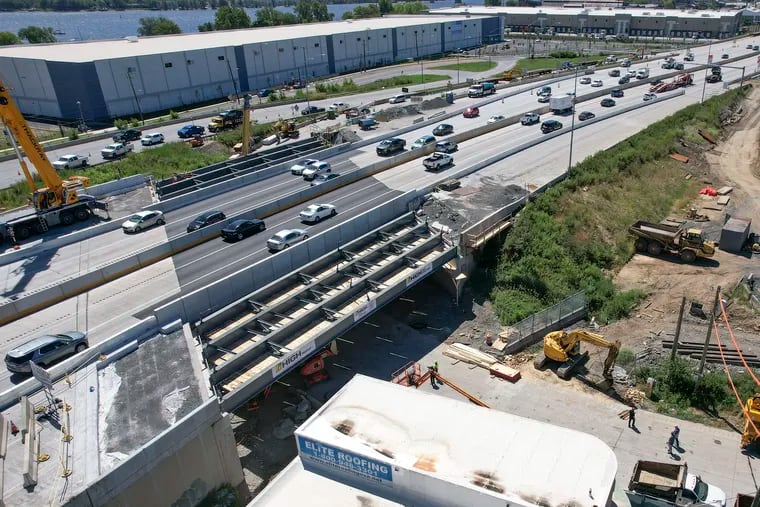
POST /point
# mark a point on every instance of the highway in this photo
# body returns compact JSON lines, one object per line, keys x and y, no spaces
{"x":110,"y":308}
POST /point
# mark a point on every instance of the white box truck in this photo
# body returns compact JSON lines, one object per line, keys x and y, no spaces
{"x":642,"y":73}
{"x":561,"y":104}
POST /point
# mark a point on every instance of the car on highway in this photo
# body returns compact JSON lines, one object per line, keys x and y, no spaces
{"x":544,"y":90}
{"x":437,"y":161}
{"x":142,"y":220}
{"x":530,"y":118}
{"x":617,"y":92}
{"x":586,"y":115}
{"x":471,"y":112}
{"x":323,"y":178}
{"x":607,"y":102}
{"x":624,"y":80}
{"x":312,"y":110}
{"x":443,"y":129}
{"x":724,"y":56}
{"x":284,"y":239}
{"x":678,"y":66}
{"x":446,"y":146}
{"x":205,"y":219}
{"x":422,"y":142}
{"x":632,"y":72}
{"x":116,"y":150}
{"x":755,"y":48}
{"x":189,"y":131}
{"x":585,"y":80}
{"x":550,"y":126}
{"x":297,"y":169}
{"x":45,"y":350}
{"x":338,"y":106}
{"x":124,"y":136}
{"x":70,"y":162}
{"x":389,"y":146}
{"x":316,"y":212}
{"x":649,"y":96}
{"x":496,"y":118}
{"x":596,"y":83}
{"x":543,"y":99}
{"x":749,"y":46}
{"x":316,"y":168}
{"x":614,"y":73}
{"x":397,"y":99}
{"x":151,"y":139}
{"x":242,"y":228}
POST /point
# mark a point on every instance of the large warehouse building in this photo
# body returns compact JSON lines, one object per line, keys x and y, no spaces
{"x":125,"y":77}
{"x":629,"y":22}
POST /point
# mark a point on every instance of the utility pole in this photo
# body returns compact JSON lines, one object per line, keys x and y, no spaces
{"x":134,"y":94}
{"x":709,"y":334}
{"x":678,"y":330}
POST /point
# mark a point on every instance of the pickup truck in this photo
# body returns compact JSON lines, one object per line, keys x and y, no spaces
{"x":116,"y":150}
{"x":70,"y":162}
{"x":437,"y":161}
{"x":654,"y":484}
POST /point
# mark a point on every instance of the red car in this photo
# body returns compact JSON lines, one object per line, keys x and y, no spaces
{"x":471,"y":112}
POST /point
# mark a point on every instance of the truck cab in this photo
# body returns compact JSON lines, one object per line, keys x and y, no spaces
{"x":481,"y":90}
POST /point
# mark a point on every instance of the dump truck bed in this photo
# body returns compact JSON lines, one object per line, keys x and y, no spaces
{"x":663,"y":480}
{"x":656,"y":231}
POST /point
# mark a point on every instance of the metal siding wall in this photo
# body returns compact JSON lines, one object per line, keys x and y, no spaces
{"x":394,"y":42}
{"x":78,"y":82}
{"x":490,"y":29}
{"x":154,"y":82}
{"x":242,"y":69}
{"x":32,"y":86}
{"x":329,"y":41}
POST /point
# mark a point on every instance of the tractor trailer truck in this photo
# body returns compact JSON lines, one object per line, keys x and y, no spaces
{"x":687,"y":243}
{"x":656,"y":484}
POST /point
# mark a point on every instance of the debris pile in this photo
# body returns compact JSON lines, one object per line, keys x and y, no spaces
{"x":518,"y":359}
{"x":729,"y":115}
{"x":634,"y":396}
{"x":393,"y":113}
{"x":436,"y":103}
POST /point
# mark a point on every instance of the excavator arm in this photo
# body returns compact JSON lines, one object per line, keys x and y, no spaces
{"x":563,"y":347}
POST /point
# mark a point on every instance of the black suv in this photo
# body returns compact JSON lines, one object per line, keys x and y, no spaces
{"x":550,"y":126}
{"x":616,"y":92}
{"x":123,"y":136}
{"x":392,"y":145}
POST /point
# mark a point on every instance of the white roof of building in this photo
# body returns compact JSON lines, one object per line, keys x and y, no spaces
{"x":596,"y":11}
{"x":88,"y":51}
{"x":457,"y":442}
{"x":296,"y":486}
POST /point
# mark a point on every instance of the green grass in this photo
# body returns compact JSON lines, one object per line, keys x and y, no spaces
{"x":574,"y":236}
{"x":479,"y":66}
{"x":527,"y":64}
{"x":348,"y":85}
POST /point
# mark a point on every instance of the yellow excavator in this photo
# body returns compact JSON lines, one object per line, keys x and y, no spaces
{"x":752,"y":421}
{"x":564,"y":348}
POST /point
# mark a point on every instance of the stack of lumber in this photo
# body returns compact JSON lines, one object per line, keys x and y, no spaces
{"x":694,"y":350}
{"x":470,"y":355}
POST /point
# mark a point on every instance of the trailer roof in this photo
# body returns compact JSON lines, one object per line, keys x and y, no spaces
{"x":526,"y":459}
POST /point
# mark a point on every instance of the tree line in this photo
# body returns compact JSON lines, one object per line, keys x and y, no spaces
{"x":166,"y":5}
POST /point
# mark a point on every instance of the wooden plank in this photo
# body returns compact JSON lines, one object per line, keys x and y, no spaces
{"x":505,"y":372}
{"x":679,"y":157}
{"x":723,"y":200}
{"x":725,"y":190}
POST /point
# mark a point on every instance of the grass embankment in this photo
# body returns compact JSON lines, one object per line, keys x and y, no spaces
{"x":543,"y":63}
{"x":574,"y":235}
{"x":348,"y":86}
{"x":479,"y":66}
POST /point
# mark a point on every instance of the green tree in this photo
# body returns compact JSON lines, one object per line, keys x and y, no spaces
{"x":310,"y":11}
{"x":8,"y":38}
{"x":208,"y":26}
{"x":409,"y":8}
{"x":231,"y":18}
{"x":37,"y":35}
{"x":363,"y":11}
{"x":157,"y":26}
{"x":513,"y":3}
{"x":492,"y":3}
{"x":269,"y":16}
{"x":385,"y":6}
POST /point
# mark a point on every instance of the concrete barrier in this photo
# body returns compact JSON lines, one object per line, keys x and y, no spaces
{"x":114,"y":187}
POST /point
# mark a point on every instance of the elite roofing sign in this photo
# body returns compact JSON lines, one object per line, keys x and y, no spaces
{"x":355,"y":464}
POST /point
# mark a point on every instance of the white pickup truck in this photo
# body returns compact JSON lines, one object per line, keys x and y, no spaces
{"x":437,"y":161}
{"x":116,"y":150}
{"x":70,"y":162}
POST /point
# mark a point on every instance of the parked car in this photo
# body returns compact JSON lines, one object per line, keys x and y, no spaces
{"x":446,"y":146}
{"x":496,"y":118}
{"x":586,"y":115}
{"x":392,"y":145}
{"x":298,"y":169}
{"x":316,"y":212}
{"x":649,"y":96}
{"x":189,"y":131}
{"x":471,"y":112}
{"x":316,"y":168}
{"x":550,"y":126}
{"x":607,"y":102}
{"x":624,"y":80}
{"x":142,"y":220}
{"x":45,"y":350}
{"x":443,"y":129}
{"x":617,"y":92}
{"x":286,"y":238}
{"x":422,"y":142}
{"x":437,"y":160}
{"x":312,"y":110}
{"x":323,"y":178}
{"x":239,"y":229}
{"x":397,"y":99}
{"x":124,"y":136}
{"x":205,"y":219}
{"x":263,"y":93}
{"x":597,"y":83}
{"x":530,"y":118}
{"x":70,"y":162}
{"x":151,"y":139}
{"x":585,"y":80}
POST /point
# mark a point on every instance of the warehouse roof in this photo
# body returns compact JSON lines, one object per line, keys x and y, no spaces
{"x":595,"y":11}
{"x":400,"y":428}
{"x":87,"y":51}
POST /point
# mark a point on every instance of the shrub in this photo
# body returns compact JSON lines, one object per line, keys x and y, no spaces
{"x":625,"y":357}
{"x":134,"y":122}
{"x":564,"y":54}
{"x":121,"y":124}
{"x":711,"y":392}
{"x":73,"y":134}
{"x":173,"y":115}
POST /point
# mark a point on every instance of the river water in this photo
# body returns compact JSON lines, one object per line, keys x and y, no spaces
{"x":117,"y":24}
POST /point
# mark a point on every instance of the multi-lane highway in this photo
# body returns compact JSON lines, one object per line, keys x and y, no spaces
{"x":112,"y":307}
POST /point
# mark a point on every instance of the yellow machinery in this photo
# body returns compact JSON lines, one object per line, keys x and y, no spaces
{"x":512,"y":74}
{"x":752,"y":416}
{"x":286,"y":129}
{"x":564,"y":348}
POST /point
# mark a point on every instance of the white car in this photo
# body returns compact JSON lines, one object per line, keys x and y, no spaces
{"x":649,"y":96}
{"x":544,"y":98}
{"x":631,"y":72}
{"x":338,"y":106}
{"x":422,"y":142}
{"x":142,"y":220}
{"x":298,"y":169}
{"x":70,"y":162}
{"x":316,"y":168}
{"x":397,"y":99}
{"x":585,"y":80}
{"x":150,"y":139}
{"x":438,"y":160}
{"x":316,"y":212}
{"x":284,"y":239}
{"x":495,"y":118}
{"x":597,"y":83}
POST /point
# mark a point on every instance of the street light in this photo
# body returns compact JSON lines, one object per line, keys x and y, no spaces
{"x":572,"y":122}
{"x":306,"y":77}
{"x":82,"y":124}
{"x":457,"y":65}
{"x":134,"y":93}
{"x":234,"y":83}
{"x":422,"y":69}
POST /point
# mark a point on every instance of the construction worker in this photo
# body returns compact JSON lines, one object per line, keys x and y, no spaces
{"x":632,"y":417}
{"x":432,"y":375}
{"x":675,"y":434}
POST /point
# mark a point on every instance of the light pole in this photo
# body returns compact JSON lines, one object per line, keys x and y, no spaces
{"x":572,"y":122}
{"x":457,"y":65}
{"x":134,"y":94}
{"x":234,"y":83}
{"x":82,"y":124}
{"x":306,"y":77}
{"x":422,"y":69}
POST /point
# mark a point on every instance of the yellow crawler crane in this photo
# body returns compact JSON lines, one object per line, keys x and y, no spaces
{"x":565,"y":348}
